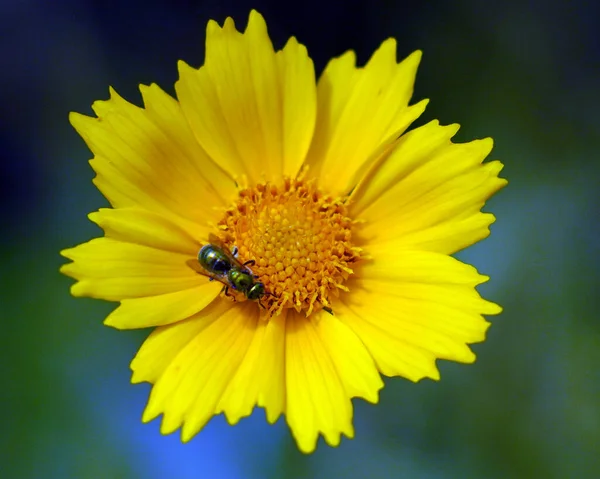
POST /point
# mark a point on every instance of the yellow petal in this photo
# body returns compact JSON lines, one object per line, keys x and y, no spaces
{"x":394,"y":355}
{"x":261,"y":376}
{"x":149,"y":158}
{"x":417,"y":267}
{"x":354,"y":365}
{"x":142,"y":227}
{"x":253,"y":111}
{"x":317,"y":401}
{"x":299,"y":104}
{"x":163,"y":309}
{"x":272,"y":395}
{"x":113,"y":270}
{"x":410,"y":308}
{"x":447,"y":237}
{"x":427,"y":194}
{"x":411,"y":151}
{"x":166,"y":342}
{"x":359,"y":110}
{"x":189,"y":389}
{"x":210,"y":183}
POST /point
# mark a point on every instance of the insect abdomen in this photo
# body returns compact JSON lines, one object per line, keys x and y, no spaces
{"x":213,"y":260}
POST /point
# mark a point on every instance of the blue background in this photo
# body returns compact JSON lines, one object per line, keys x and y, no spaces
{"x":526,"y":73}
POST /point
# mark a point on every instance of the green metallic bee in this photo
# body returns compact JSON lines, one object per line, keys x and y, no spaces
{"x":221,"y":264}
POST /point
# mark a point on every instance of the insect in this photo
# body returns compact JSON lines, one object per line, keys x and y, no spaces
{"x":221,"y":264}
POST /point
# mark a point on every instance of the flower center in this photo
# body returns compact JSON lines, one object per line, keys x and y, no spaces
{"x":299,"y":240}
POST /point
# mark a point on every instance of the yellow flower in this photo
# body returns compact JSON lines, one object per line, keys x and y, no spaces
{"x":349,"y":222}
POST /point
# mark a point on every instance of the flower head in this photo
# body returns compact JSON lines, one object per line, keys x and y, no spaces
{"x":324,"y":230}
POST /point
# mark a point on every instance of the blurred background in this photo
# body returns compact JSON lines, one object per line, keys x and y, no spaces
{"x":525,"y":73}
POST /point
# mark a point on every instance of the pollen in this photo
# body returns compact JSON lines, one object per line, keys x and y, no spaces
{"x":299,"y":239}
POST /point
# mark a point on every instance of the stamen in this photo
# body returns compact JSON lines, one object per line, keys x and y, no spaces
{"x":299,"y":239}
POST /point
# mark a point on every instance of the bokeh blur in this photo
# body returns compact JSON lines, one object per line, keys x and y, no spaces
{"x":526,"y":73}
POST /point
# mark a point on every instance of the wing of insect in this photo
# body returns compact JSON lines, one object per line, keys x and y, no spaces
{"x":231,"y":255}
{"x":197,"y":267}
{"x":216,"y":241}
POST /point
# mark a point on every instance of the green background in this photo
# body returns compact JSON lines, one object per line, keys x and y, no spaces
{"x":526,"y":74}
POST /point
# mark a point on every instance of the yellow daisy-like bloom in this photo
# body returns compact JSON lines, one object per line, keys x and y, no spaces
{"x":349,"y":223}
